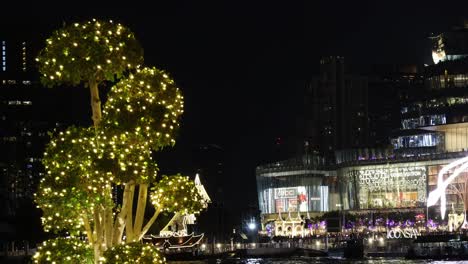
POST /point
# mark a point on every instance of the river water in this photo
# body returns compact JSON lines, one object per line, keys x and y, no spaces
{"x":305,"y":260}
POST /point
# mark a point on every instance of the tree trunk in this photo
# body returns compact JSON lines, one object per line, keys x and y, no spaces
{"x":103,"y":217}
{"x":98,"y":234}
{"x":87,"y":226}
{"x":108,"y":219}
{"x":95,"y":102}
{"x":129,"y":217}
{"x":140,"y":213}
{"x":97,"y":253}
{"x":119,"y":224}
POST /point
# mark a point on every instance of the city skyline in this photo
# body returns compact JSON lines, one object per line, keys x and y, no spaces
{"x":243,"y":75}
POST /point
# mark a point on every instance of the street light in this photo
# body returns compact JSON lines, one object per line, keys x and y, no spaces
{"x":252,"y":229}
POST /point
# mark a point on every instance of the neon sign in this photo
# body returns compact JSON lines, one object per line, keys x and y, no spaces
{"x":402,"y":233}
{"x":439,"y":192}
{"x":281,"y":193}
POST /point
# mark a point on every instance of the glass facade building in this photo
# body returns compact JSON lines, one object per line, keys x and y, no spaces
{"x":400,"y":184}
{"x":427,"y":139}
{"x":296,"y":185}
{"x":398,"y":176}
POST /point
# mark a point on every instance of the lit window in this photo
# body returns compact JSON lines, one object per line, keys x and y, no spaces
{"x":4,"y":68}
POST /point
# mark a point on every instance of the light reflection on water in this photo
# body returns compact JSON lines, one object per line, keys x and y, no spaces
{"x":305,"y":260}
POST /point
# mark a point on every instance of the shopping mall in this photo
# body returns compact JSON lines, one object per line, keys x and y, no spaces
{"x":433,"y":134}
{"x":289,"y":195}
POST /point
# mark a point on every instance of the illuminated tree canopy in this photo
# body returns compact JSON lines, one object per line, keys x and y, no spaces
{"x":177,"y":194}
{"x":64,"y":250}
{"x":100,"y":50}
{"x":147,"y":105}
{"x":87,"y":166}
{"x":133,"y":253}
{"x":90,"y":52}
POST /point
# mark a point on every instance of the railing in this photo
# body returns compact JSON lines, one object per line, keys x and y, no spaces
{"x":321,"y":243}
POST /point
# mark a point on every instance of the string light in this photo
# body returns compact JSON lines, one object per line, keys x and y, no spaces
{"x":177,"y":193}
{"x":72,"y":41}
{"x":83,"y":164}
{"x":63,"y":250}
{"x":133,"y":253}
{"x":150,"y":100}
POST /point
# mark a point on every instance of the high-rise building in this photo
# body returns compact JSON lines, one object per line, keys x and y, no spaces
{"x":16,"y":59}
{"x":24,"y":125}
{"x":436,"y":118}
{"x":336,"y":109}
{"x":391,"y":86}
{"x":28,"y":112}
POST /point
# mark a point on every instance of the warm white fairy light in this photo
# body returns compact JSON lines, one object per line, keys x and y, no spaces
{"x":83,"y":164}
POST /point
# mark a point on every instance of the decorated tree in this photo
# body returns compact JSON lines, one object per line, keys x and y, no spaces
{"x":90,"y":53}
{"x":64,"y":250}
{"x":133,"y":253}
{"x":85,"y":165}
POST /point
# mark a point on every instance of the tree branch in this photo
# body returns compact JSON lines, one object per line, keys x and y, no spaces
{"x":119,"y":224}
{"x":87,"y":226}
{"x":150,"y":223}
{"x":141,"y":206}
{"x":129,"y":214}
{"x":109,"y":219}
{"x":95,"y":102}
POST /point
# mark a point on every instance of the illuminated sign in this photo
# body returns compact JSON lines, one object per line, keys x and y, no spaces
{"x":391,"y":179}
{"x":402,"y":233}
{"x":281,"y":193}
{"x":290,"y":199}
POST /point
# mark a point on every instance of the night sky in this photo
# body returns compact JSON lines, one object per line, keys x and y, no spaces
{"x":241,"y":64}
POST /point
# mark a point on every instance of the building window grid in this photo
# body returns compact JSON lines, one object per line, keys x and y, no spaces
{"x":415,"y":141}
{"x":427,"y":120}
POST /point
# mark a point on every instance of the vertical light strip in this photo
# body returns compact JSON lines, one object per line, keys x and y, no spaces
{"x":324,"y":198}
{"x":3,"y":55}
{"x":24,"y":56}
